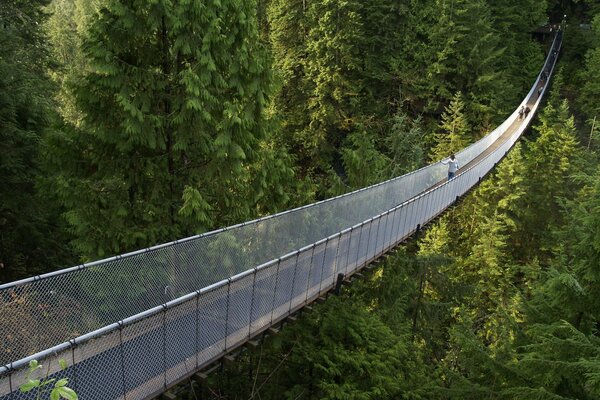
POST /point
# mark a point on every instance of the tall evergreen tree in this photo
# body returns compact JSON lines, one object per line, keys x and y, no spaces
{"x":405,"y":145}
{"x":173,"y":124}
{"x":30,"y":239}
{"x":513,"y":21}
{"x":66,"y":26}
{"x":338,"y":64}
{"x":554,"y":153}
{"x":363,"y":163}
{"x":290,"y":24}
{"x":464,"y":53}
{"x":590,"y":92}
{"x":454,"y":132}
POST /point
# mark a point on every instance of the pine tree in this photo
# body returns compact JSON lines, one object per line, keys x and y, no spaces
{"x":173,"y":125}
{"x":454,"y":130}
{"x":363,"y":163}
{"x":559,"y":349}
{"x":337,"y":62}
{"x":31,"y":238}
{"x":290,"y":24}
{"x":405,"y":145}
{"x":513,"y":21}
{"x":66,"y":26}
{"x":464,"y":52}
{"x":590,"y":91}
{"x":555,"y":153}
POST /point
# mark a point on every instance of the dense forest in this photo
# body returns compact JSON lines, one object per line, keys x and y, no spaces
{"x":128,"y":123}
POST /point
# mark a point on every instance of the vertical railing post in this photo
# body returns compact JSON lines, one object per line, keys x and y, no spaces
{"x":252,"y":304}
{"x":73,"y":346}
{"x":10,"y":374}
{"x":197,"y":338}
{"x":337,"y":254}
{"x":376,"y":235}
{"x":368,"y":241}
{"x":348,"y":252}
{"x":436,"y":201}
{"x":312,"y":255}
{"x":293,"y":283}
{"x":390,"y":238}
{"x":323,"y":265}
{"x":420,"y":206}
{"x":414,"y":216}
{"x":358,"y":246}
{"x":384,"y":233}
{"x":428,"y":207}
{"x":122,"y":360}
{"x":392,"y":231}
{"x":227,"y":314}
{"x":398,"y":234}
{"x":164,"y":311}
{"x":275,"y":291}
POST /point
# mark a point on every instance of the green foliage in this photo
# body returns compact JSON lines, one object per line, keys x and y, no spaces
{"x":570,"y":285}
{"x":337,"y":65}
{"x":173,"y":136}
{"x":465,"y":50}
{"x":513,"y":20}
{"x":362,"y":162}
{"x":590,"y":91}
{"x":31,"y":241}
{"x":66,"y":27}
{"x":56,"y":388}
{"x":454,"y":132}
{"x":405,"y":145}
{"x":555,"y":153}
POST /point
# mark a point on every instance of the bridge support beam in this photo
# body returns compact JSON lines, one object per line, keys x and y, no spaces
{"x":168,"y":395}
{"x":203,"y":375}
{"x":338,"y":284}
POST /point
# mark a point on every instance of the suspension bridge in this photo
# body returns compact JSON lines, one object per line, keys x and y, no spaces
{"x":134,"y":325}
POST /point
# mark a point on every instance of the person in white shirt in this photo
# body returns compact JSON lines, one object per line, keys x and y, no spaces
{"x":452,"y":166}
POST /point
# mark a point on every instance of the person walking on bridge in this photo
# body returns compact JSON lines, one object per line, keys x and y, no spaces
{"x":452,"y":163}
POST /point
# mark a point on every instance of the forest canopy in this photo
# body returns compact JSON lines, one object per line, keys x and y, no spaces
{"x":129,"y":123}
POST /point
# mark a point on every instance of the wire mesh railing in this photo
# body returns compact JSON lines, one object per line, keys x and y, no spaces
{"x":244,"y":286}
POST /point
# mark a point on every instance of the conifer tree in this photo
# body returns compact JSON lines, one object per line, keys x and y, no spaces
{"x":430,"y":306}
{"x":66,"y":26}
{"x":405,"y":145}
{"x":551,"y":162}
{"x":290,"y":25}
{"x":337,"y":64}
{"x":173,"y":124}
{"x":334,"y":66}
{"x":30,"y":241}
{"x":513,"y":21}
{"x":464,"y":52}
{"x":363,"y":163}
{"x":559,"y":346}
{"x":578,"y":256}
{"x":454,"y":130}
{"x":506,"y":195}
{"x":590,"y":92}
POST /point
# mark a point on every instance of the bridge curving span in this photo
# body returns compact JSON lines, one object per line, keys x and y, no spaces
{"x":137,"y":323}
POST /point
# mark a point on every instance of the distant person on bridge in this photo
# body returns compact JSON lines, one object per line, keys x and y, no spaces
{"x":452,"y":166}
{"x":521,"y":112}
{"x":527,"y":109}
